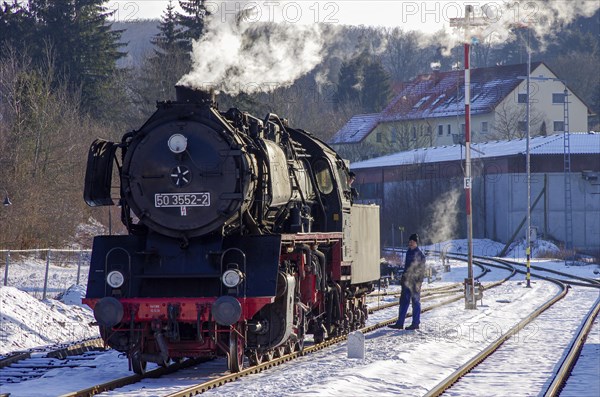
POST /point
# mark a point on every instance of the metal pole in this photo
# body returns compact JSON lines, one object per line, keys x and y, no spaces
{"x":401,"y":228}
{"x":6,"y":268}
{"x":471,"y":303}
{"x":528,"y":166}
{"x":467,"y":22}
{"x":79,"y":265}
{"x":46,"y":275}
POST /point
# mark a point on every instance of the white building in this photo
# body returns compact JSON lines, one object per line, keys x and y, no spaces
{"x":430,"y":111}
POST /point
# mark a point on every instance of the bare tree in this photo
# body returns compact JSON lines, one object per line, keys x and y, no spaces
{"x":404,"y":56}
{"x":584,"y":80}
{"x":44,"y":138}
{"x":510,"y":122}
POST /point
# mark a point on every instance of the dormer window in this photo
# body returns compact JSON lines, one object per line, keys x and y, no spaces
{"x":421,"y":101}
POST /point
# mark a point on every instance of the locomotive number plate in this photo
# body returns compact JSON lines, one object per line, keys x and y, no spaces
{"x":181,"y":200}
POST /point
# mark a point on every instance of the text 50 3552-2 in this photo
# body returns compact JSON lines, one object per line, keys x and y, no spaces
{"x":181,"y":199}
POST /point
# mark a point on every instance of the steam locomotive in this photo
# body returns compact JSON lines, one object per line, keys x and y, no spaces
{"x":242,"y":238}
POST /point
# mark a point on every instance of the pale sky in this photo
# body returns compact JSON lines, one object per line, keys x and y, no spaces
{"x":427,"y":16}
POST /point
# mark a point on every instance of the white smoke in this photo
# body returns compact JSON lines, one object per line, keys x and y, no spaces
{"x":495,"y":21}
{"x":242,"y":54}
{"x":444,"y":223}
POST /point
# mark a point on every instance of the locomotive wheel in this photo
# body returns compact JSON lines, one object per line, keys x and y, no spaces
{"x":137,"y":364}
{"x":269,"y":355}
{"x":280,"y":351}
{"x":319,"y":335}
{"x":299,"y":345}
{"x":255,"y":358}
{"x":236,"y":353}
{"x":301,"y":333}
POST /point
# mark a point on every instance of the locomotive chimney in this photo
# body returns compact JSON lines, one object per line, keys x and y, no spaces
{"x":191,"y":95}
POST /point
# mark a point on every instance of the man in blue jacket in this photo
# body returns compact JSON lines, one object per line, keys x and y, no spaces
{"x":412,"y":278}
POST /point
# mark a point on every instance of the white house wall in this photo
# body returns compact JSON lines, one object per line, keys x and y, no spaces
{"x":541,"y":102}
{"x":477,"y":135}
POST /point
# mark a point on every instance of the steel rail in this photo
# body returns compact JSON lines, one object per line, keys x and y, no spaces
{"x":564,"y":371}
{"x":62,"y":352}
{"x":131,"y":379}
{"x":594,"y":283}
{"x":200,"y":388}
{"x":587,"y":282}
{"x":481,"y":356}
{"x":424,"y":298}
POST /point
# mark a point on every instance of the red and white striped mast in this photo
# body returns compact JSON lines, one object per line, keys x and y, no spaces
{"x":467,"y":23}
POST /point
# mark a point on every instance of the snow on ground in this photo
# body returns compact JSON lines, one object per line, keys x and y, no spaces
{"x":27,"y":272}
{"x":27,"y":322}
{"x":396,"y":362}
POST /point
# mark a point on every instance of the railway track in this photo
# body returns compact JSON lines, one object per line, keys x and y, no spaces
{"x":217,"y":381}
{"x":472,"y":376}
{"x":214,"y":381}
{"x":34,"y":363}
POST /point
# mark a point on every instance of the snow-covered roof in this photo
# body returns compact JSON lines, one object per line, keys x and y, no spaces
{"x":356,"y":128}
{"x":439,"y":94}
{"x":579,"y":143}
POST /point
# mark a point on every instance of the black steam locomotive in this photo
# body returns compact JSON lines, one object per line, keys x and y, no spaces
{"x":242,"y":238}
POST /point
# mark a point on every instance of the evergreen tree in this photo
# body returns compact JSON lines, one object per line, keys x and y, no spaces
{"x":363,"y":81}
{"x":348,"y":89}
{"x":192,"y":19}
{"x":16,"y":26}
{"x":376,"y":88}
{"x":170,"y":61}
{"x":77,"y":35}
{"x":169,"y":39}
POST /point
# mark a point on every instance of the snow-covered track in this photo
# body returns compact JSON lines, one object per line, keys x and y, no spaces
{"x":34,"y":363}
{"x":132,"y":379}
{"x":226,"y":378}
{"x":571,"y":358}
{"x":492,"y":348}
{"x":565,"y":277}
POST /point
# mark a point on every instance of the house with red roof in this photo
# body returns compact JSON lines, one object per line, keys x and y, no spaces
{"x":430,"y":111}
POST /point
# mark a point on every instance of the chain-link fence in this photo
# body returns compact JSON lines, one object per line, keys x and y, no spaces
{"x":44,"y":272}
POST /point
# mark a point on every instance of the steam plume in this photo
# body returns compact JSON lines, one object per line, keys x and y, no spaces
{"x":239,"y":54}
{"x":444,"y":217}
{"x":498,"y":19}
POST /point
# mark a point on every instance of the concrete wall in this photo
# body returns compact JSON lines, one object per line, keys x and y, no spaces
{"x":506,"y":206}
{"x":435,"y":208}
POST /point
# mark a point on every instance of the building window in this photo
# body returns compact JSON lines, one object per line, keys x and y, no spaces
{"x":449,"y":129}
{"x":484,"y":127}
{"x":522,"y":98}
{"x":559,"y":126}
{"x":378,"y":137}
{"x":414,"y":132}
{"x":429,"y":130}
{"x":394,"y":136}
{"x":558,"y":97}
{"x":522,"y":126}
{"x":440,"y":130}
{"x":462,"y":129}
{"x":421,"y":101}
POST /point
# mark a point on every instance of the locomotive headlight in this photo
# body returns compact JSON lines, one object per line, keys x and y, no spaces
{"x":232,"y":278}
{"x":177,"y":143}
{"x":115,"y":279}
